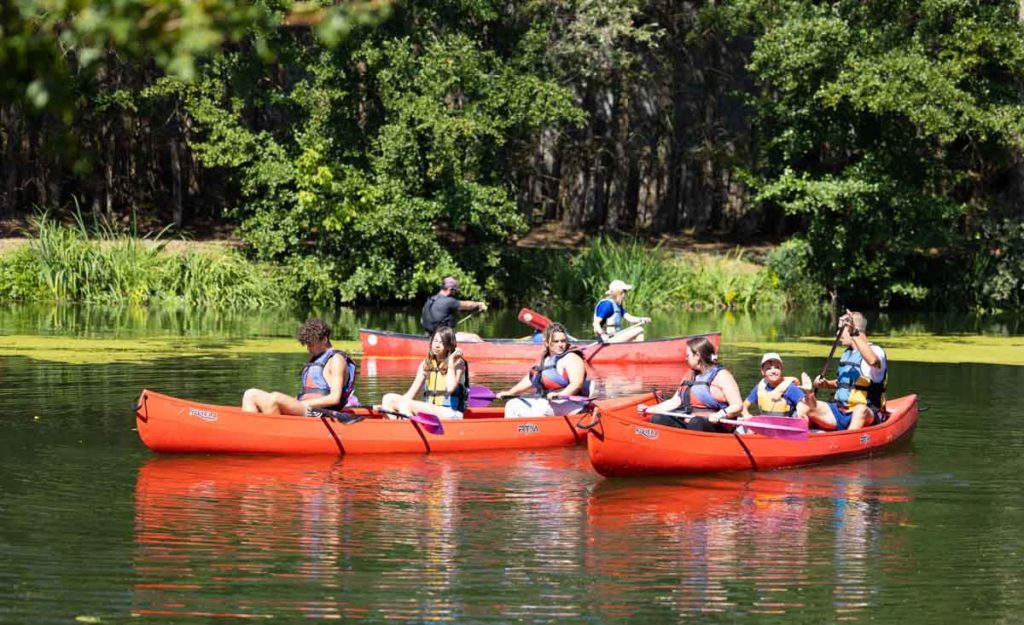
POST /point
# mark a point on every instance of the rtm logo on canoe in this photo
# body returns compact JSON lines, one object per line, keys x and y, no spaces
{"x":205,"y":415}
{"x":528,"y":428}
{"x":646,"y":433}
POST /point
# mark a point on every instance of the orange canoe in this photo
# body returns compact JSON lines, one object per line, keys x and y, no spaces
{"x":172,"y":425}
{"x":621,"y":444}
{"x":380,"y":344}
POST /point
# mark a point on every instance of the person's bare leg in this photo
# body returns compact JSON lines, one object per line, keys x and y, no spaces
{"x":859,"y":416}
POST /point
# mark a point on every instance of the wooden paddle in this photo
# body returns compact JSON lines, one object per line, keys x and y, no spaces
{"x":832,"y":352}
{"x":791,"y":429}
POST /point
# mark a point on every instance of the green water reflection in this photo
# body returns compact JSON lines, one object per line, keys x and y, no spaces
{"x":92,"y":525}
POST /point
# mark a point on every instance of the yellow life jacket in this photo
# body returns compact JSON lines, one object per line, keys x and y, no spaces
{"x":772,"y":401}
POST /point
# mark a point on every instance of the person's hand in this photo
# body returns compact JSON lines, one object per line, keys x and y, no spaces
{"x":805,"y":383}
{"x":481,"y":306}
{"x":641,"y":408}
{"x":455,"y":355}
{"x":645,"y":319}
{"x":503,"y":395}
{"x":555,"y":395}
{"x":820,"y":382}
{"x":377,"y":408}
{"x":718,"y":416}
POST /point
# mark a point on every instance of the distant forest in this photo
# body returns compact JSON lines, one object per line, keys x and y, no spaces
{"x":373,"y":147}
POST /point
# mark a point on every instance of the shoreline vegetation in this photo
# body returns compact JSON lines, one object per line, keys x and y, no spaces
{"x":105,"y":265}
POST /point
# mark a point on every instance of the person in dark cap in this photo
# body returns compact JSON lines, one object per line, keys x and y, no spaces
{"x":443,"y":308}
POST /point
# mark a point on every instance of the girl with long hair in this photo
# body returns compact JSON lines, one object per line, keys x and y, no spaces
{"x":442,"y":380}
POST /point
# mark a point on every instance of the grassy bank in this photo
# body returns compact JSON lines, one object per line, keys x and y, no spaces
{"x":72,"y":263}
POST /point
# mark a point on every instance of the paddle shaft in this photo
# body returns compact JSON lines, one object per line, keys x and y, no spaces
{"x":749,"y":424}
{"x":832,"y":352}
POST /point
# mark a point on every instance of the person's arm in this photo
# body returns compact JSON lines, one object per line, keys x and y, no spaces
{"x":634,"y":319}
{"x":521,"y":385}
{"x":417,"y":383}
{"x":465,"y":305}
{"x":334,"y":375}
{"x":456,"y":369}
{"x":602,"y":311}
{"x":727,"y":383}
{"x":748,"y":402}
{"x":670,"y":404}
{"x":577,"y":370}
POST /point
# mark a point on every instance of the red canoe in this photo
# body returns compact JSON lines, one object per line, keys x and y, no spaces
{"x":168,"y":424}
{"x":380,"y":344}
{"x":620,"y":444}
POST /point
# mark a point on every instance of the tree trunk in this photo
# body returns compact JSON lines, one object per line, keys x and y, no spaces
{"x":176,"y":185}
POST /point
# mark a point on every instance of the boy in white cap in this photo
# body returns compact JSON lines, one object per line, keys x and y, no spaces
{"x":610,"y":313}
{"x":776,"y":394}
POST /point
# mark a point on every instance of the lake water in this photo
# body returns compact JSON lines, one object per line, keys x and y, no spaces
{"x":96,"y":528}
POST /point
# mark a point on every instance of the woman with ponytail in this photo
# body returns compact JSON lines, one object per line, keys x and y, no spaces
{"x":708,"y":395}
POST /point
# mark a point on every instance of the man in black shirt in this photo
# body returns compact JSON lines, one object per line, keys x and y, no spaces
{"x":443,"y":308}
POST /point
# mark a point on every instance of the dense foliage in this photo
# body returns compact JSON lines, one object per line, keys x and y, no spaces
{"x":369,"y":148}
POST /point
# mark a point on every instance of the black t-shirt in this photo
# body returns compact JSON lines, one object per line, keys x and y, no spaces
{"x":440,"y":310}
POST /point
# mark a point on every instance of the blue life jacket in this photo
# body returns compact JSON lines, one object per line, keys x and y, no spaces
{"x":315,"y":385}
{"x":696,"y":393}
{"x":854,"y":387}
{"x":614,"y":323}
{"x":546,"y":376}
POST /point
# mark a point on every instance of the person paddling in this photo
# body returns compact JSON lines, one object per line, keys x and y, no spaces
{"x":560,"y":374}
{"x":442,"y":378}
{"x":610,"y":312}
{"x":327,"y":379}
{"x":861,"y":381}
{"x":443,"y":308}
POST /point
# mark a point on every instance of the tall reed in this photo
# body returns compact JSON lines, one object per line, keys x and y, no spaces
{"x":108,"y":265}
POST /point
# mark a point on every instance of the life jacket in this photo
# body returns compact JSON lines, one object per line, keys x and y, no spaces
{"x":773,"y":403}
{"x":547,"y":377}
{"x":435,"y":389}
{"x":315,"y":385}
{"x":696,"y":393}
{"x":612,"y":324}
{"x":855,"y":388}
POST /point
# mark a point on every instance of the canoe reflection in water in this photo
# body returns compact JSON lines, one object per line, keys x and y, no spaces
{"x":380,"y":537}
{"x":768,"y":542}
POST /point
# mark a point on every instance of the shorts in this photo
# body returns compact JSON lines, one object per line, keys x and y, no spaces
{"x":843,"y":418}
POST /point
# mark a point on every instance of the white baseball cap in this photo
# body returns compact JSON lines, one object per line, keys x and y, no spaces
{"x":618,"y":285}
{"x":771,"y":356}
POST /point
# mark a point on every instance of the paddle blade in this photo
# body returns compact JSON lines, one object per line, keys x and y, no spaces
{"x":785,"y":428}
{"x":480,"y":396}
{"x":534,"y":319}
{"x":352,"y":401}
{"x":429,"y":422}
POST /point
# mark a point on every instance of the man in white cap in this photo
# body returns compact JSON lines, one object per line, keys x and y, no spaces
{"x":775,"y":394}
{"x":610,"y":313}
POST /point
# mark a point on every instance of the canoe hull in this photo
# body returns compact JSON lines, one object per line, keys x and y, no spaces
{"x":380,"y":344}
{"x":170,"y":425}
{"x":623,"y":445}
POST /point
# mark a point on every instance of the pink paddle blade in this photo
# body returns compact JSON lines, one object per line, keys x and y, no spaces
{"x":429,"y":422}
{"x":352,"y":400}
{"x":480,"y":396}
{"x":785,"y":428}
